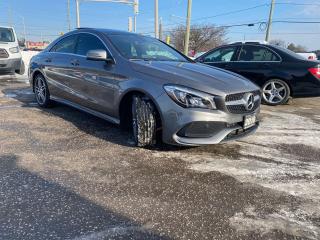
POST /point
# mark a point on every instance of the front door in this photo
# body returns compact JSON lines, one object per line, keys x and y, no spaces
{"x":93,"y":81}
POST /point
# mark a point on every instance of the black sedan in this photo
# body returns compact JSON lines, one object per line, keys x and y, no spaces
{"x":279,"y":72}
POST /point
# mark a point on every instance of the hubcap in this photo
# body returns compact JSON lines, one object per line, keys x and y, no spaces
{"x":40,"y":90}
{"x":274,"y":92}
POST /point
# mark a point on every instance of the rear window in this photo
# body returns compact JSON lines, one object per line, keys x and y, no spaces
{"x":6,"y":35}
{"x":250,"y":53}
{"x":289,"y":52}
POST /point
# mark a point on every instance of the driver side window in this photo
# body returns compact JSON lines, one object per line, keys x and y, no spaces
{"x":221,"y":55}
{"x":87,"y":42}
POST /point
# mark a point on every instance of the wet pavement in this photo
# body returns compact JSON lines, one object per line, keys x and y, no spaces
{"x":67,"y":175}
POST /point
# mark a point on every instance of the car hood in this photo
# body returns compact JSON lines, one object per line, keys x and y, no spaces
{"x":7,"y":45}
{"x":195,"y":75}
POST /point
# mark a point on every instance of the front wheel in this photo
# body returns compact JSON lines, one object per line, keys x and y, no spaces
{"x":143,"y":121}
{"x":275,"y":92}
{"x":41,"y":91}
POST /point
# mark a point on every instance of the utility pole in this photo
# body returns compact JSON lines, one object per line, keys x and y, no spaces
{"x":270,"y":20}
{"x":78,"y":13}
{"x":24,"y":28}
{"x":10,"y":16}
{"x":130,"y":24}
{"x":156,"y":18}
{"x":160,"y":29}
{"x":68,"y":15}
{"x":187,"y":36}
{"x":135,"y":23}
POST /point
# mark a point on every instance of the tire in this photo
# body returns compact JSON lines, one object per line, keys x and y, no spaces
{"x":41,"y":91}
{"x":275,"y":92}
{"x":22,"y":69}
{"x":143,"y":121}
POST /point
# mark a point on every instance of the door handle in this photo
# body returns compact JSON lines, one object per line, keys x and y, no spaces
{"x":48,"y":60}
{"x":74,"y":62}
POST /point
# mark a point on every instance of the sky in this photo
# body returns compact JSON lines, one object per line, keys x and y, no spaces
{"x":46,"y":19}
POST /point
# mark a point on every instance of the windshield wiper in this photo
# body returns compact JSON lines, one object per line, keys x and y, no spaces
{"x":141,"y":59}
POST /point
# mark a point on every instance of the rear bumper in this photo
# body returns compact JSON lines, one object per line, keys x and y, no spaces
{"x":195,"y":127}
{"x":10,"y":65}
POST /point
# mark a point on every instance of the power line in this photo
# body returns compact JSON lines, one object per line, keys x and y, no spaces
{"x":225,"y":13}
{"x":298,"y":4}
{"x":249,"y":24}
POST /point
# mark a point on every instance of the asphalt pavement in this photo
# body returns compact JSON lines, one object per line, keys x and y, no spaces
{"x":65,"y":174}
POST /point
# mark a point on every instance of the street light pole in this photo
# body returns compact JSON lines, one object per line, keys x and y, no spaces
{"x":68,"y":15}
{"x":270,"y":20}
{"x":78,"y":13}
{"x":156,"y":18}
{"x":24,"y":29}
{"x":134,"y":3}
{"x":187,"y":36}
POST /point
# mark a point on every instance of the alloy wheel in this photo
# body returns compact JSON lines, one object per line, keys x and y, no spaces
{"x":40,"y":90}
{"x":274,"y":92}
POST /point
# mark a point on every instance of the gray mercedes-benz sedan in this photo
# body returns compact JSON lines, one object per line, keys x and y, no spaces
{"x":145,"y":86}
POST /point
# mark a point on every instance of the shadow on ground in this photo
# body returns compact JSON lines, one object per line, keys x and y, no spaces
{"x":33,"y":208}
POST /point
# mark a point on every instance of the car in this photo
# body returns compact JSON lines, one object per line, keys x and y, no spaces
{"x":279,"y":72}
{"x":145,"y":86}
{"x":10,"y":56}
{"x":198,"y":54}
{"x":309,"y":56}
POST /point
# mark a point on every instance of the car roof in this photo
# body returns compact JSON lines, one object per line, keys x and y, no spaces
{"x":103,"y":30}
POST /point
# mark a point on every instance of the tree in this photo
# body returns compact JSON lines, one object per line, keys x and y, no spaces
{"x":203,"y":37}
{"x":297,"y":48}
{"x":279,"y":42}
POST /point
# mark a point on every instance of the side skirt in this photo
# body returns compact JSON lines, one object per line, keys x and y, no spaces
{"x":87,"y":110}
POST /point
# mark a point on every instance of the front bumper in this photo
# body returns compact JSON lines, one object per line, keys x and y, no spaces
{"x":195,"y":127}
{"x":10,"y":65}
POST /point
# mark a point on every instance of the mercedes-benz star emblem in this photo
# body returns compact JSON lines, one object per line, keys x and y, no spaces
{"x":249,"y":99}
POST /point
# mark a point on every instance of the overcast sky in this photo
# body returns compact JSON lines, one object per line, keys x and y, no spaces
{"x":47,"y":18}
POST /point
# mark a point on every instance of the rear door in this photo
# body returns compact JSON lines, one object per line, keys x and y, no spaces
{"x":222,"y":57}
{"x":257,"y":63}
{"x":93,"y":81}
{"x":57,"y":67}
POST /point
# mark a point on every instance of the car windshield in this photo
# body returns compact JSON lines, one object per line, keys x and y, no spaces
{"x":6,"y":35}
{"x":135,"y":47}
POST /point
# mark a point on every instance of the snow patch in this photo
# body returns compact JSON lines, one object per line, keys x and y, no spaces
{"x":292,"y":223}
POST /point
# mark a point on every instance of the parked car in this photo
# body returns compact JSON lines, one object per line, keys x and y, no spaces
{"x":10,"y":56}
{"x":145,"y":85}
{"x":309,"y":56}
{"x":280,"y":72}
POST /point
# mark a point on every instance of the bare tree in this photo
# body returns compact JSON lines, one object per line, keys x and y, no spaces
{"x":279,"y":42}
{"x":297,"y":48}
{"x":203,"y":37}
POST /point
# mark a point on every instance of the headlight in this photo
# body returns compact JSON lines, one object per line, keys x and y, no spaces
{"x":14,"y":50}
{"x":190,"y":98}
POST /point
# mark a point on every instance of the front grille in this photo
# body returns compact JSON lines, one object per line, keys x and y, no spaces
{"x":3,"y":53}
{"x":239,"y":96}
{"x":240,"y":108}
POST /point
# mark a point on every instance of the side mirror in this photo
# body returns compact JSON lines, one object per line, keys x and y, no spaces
{"x":98,"y":55}
{"x":201,"y":60}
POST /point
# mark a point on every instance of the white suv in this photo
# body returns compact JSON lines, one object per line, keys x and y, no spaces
{"x":10,"y":56}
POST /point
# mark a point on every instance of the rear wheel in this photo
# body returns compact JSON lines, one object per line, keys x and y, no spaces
{"x":275,"y":92}
{"x":143,"y":121}
{"x":41,"y":91}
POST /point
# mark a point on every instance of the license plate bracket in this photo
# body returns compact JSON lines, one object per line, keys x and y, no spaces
{"x":249,"y":121}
